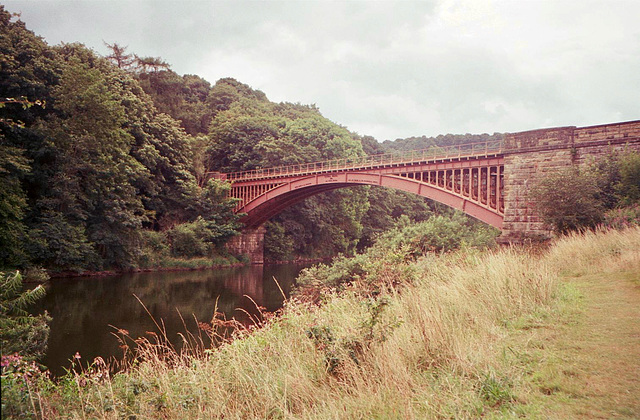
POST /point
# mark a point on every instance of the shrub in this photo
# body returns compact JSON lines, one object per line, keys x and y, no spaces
{"x":568,"y":200}
{"x":622,"y":218}
{"x":438,"y":234}
{"x":574,"y":200}
{"x":386,"y":263}
{"x":628,"y":188}
{"x":194,"y":239}
{"x":155,"y":248}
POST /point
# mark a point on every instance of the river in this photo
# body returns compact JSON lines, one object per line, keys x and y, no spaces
{"x":87,"y":311}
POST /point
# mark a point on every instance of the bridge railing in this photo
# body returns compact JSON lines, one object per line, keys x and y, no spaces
{"x":371,"y":161}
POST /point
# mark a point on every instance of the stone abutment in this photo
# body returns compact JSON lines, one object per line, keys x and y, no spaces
{"x":249,"y":243}
{"x":531,"y":155}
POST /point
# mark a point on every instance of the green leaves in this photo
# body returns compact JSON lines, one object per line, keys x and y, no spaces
{"x":578,"y":198}
{"x":84,"y":176}
{"x":13,"y":301}
{"x":628,"y":189}
{"x":19,"y":331}
{"x":568,"y":200}
{"x":436,"y":235}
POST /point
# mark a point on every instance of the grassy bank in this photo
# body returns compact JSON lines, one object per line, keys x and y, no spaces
{"x":463,"y":335}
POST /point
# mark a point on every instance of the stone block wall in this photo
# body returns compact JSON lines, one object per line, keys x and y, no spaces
{"x":521,"y":222}
{"x":533,"y":154}
{"x":249,"y":243}
{"x":546,"y":138}
{"x":607,"y":132}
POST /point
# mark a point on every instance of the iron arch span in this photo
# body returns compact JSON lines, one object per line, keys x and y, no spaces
{"x":270,"y":203}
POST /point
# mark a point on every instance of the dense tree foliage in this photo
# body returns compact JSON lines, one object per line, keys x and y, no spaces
{"x":88,"y":172}
{"x":423,"y":142}
{"x":383,"y":262}
{"x":248,"y":131}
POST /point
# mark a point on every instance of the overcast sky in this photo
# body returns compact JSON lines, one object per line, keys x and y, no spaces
{"x":389,"y":69}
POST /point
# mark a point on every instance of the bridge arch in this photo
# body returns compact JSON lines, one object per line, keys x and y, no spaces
{"x":270,"y":203}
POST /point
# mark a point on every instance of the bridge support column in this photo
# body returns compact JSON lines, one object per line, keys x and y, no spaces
{"x":249,"y":243}
{"x":524,"y":164}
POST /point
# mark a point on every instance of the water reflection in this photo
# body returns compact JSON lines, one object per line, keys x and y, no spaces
{"x":84,"y":309}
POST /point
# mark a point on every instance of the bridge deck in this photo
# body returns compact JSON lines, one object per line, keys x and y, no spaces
{"x":400,"y":158}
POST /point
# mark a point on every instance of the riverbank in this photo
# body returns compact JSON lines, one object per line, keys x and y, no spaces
{"x":169,"y":265}
{"x":497,"y":334}
{"x":176,"y":264}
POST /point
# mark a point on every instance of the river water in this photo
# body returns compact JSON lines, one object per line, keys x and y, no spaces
{"x":87,"y":311}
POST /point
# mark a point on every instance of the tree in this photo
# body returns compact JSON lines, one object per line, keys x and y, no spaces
{"x":21,"y":332}
{"x":119,"y":56}
{"x":628,"y":188}
{"x":90,"y":186}
{"x":154,"y":64}
{"x":28,"y":68}
{"x":82,"y":177}
{"x":13,"y":202}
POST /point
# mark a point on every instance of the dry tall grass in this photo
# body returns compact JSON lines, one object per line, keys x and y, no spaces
{"x":432,"y":348}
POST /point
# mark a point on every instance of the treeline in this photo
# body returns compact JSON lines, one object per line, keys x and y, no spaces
{"x":88,"y":163}
{"x":423,"y":142}
{"x":103,"y":162}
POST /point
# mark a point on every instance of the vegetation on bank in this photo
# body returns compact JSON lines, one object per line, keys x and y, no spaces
{"x":407,"y":336}
{"x":94,"y":166}
{"x":602,"y":192}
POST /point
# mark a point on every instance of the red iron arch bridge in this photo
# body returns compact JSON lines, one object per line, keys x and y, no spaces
{"x":468,"y":177}
{"x":490,"y":181}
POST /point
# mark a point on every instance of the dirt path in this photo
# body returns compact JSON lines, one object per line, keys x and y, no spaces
{"x":598,"y":356}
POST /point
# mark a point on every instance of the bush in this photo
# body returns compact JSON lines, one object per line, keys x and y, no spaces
{"x":194,"y":239}
{"x":574,"y":200}
{"x":628,"y":188}
{"x":568,"y":200}
{"x":155,"y":249}
{"x":438,"y":234}
{"x":387,"y":263}
{"x":622,"y":218}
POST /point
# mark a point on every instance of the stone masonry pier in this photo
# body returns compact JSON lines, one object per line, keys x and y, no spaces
{"x":530,"y":155}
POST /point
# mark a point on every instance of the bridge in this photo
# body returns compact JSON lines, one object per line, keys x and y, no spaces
{"x":466,"y":177}
{"x":488,"y":181}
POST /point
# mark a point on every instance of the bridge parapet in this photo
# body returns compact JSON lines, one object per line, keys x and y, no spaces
{"x":409,"y":157}
{"x":549,"y":138}
{"x":572,"y":137}
{"x":614,"y":133}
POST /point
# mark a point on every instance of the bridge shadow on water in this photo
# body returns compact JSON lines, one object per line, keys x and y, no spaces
{"x":86,"y":310}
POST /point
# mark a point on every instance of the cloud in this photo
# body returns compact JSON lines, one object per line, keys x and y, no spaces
{"x":388,"y":68}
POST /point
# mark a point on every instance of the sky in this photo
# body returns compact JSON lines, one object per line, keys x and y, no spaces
{"x":387,"y":69}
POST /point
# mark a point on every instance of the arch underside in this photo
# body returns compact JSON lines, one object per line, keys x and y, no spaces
{"x":269,"y":204}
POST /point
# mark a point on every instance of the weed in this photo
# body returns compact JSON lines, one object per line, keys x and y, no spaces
{"x":495,"y":390}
